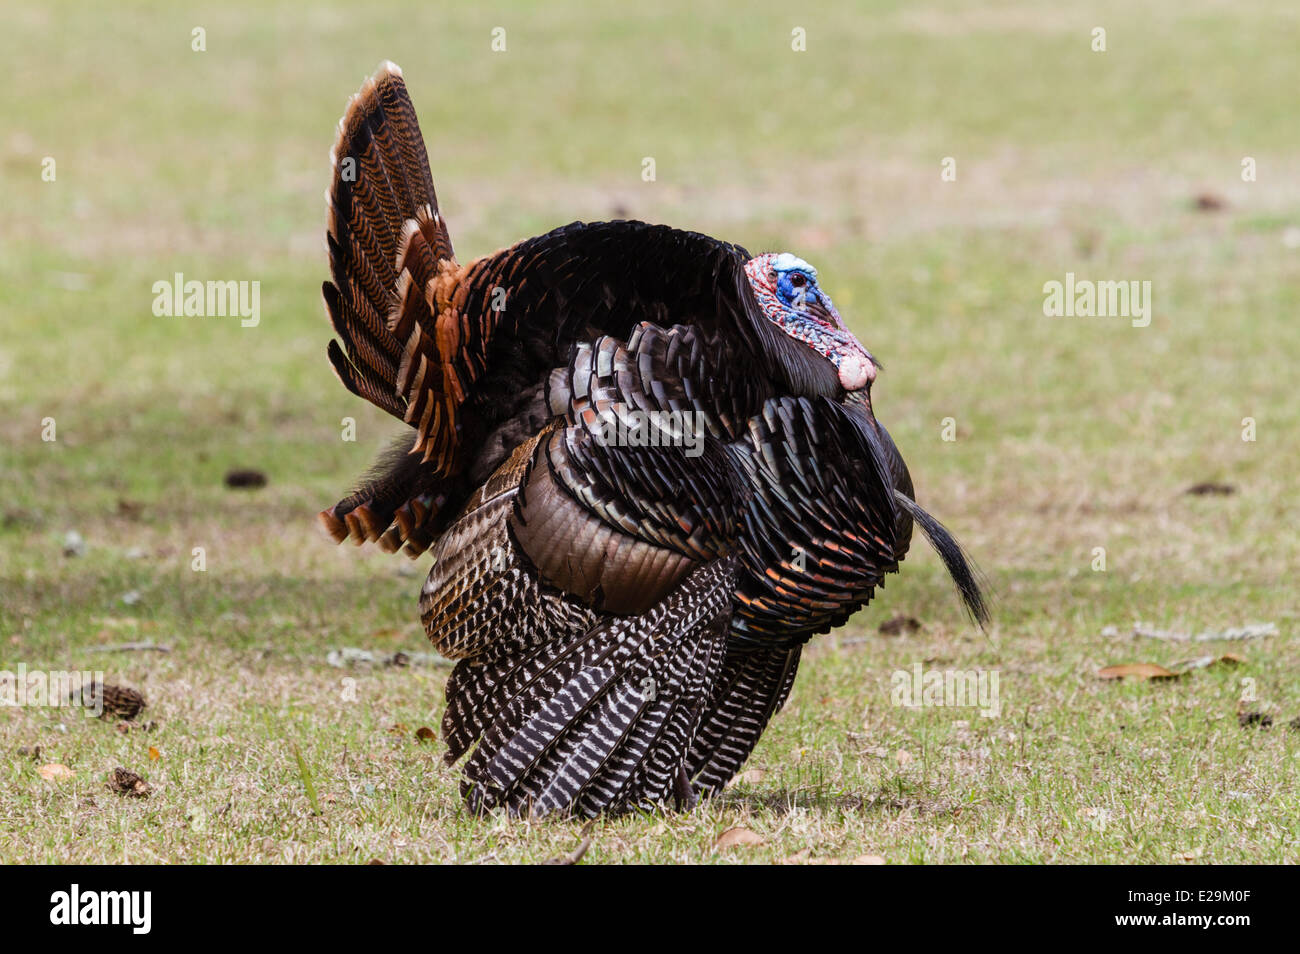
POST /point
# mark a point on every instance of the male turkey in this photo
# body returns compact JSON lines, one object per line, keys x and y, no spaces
{"x":646,"y":465}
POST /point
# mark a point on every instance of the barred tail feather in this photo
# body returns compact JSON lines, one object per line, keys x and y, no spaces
{"x":599,"y":721}
{"x":753,"y":687}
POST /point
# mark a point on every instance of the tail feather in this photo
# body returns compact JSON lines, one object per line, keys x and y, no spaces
{"x":600,"y":721}
{"x":752,"y":687}
{"x":386,"y":241}
{"x":641,"y":767}
{"x":654,"y":755}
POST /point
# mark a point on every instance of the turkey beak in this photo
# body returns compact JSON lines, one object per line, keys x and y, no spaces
{"x":819,"y":306}
{"x":858,"y":368}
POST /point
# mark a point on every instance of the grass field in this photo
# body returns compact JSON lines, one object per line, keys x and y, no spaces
{"x":1071,"y":433}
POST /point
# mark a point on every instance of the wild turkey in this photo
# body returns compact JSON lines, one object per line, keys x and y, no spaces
{"x":646,"y":464}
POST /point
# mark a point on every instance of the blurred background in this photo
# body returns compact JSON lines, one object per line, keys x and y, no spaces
{"x":1071,"y":434}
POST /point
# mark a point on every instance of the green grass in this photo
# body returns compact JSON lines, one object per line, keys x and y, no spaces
{"x":1072,"y":433}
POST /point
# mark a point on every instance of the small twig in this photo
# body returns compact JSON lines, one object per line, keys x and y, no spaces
{"x":1249,"y":631}
{"x":350,"y":656}
{"x":573,"y":857}
{"x":132,"y":648}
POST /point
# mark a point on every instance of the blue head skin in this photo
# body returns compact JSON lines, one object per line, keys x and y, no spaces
{"x":787,"y":290}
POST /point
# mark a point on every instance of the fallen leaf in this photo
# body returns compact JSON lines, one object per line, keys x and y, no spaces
{"x":397,"y":728}
{"x":1209,"y":487}
{"x":55,"y":772}
{"x":900,"y":624}
{"x":737,"y":836}
{"x":250,"y":479}
{"x":1136,"y":671}
{"x":131,"y":509}
{"x":154,"y":754}
{"x":125,"y":782}
{"x":1260,"y":720}
{"x":425,"y":734}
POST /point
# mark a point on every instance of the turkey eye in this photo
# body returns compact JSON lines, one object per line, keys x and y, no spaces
{"x":797,"y":280}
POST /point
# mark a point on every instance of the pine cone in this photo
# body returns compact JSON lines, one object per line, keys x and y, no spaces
{"x":120,"y":702}
{"x":126,"y":782}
